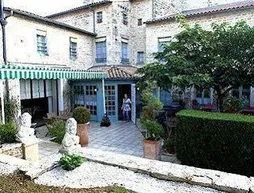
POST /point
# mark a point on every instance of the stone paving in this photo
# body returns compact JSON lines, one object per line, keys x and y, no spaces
{"x":47,"y":149}
{"x":120,"y":137}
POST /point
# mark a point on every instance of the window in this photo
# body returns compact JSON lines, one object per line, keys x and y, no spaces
{"x":42,"y":43}
{"x":91,"y":90}
{"x":101,"y":51}
{"x":73,"y":48}
{"x":78,"y":96}
{"x":140,"y":22}
{"x":162,"y":42}
{"x":140,"y":58}
{"x":110,"y":100}
{"x":91,"y":98}
{"x":99,"y":17}
{"x":125,"y":53}
{"x":125,"y":18}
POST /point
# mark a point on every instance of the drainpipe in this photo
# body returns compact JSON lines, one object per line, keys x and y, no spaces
{"x":93,"y":11}
{"x":153,"y":15}
{"x":3,"y":22}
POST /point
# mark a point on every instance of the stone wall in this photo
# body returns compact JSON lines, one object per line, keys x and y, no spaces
{"x":141,"y":9}
{"x":13,"y":149}
{"x":168,"y":7}
{"x":22,"y":44}
{"x":84,"y":19}
{"x":171,"y":28}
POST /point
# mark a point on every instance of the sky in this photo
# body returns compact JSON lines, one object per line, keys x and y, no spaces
{"x":46,"y":7}
{"x":43,"y":7}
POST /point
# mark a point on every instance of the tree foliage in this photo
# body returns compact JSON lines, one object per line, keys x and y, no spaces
{"x":221,"y":58}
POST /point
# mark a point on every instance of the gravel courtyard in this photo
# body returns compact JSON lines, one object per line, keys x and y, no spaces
{"x":92,"y":174}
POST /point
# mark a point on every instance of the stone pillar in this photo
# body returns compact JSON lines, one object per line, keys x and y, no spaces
{"x":26,"y":136}
{"x":30,"y":152}
{"x":103,"y":96}
{"x":60,"y":86}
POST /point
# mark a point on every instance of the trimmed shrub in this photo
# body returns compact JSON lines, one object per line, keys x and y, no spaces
{"x":8,"y":133}
{"x":220,"y":141}
{"x":57,"y":130}
{"x":81,"y":115}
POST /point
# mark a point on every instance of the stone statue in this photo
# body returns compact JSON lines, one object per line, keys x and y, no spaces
{"x":70,"y":143}
{"x":26,"y":133}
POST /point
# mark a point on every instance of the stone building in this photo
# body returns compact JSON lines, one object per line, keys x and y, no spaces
{"x":132,"y":31}
{"x":163,"y":29}
{"x":110,"y":36}
{"x":42,"y":55}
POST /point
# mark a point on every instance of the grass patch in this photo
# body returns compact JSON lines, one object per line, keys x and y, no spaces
{"x":19,"y":184}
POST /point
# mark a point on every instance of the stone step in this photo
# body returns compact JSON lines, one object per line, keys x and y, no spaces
{"x":174,"y":172}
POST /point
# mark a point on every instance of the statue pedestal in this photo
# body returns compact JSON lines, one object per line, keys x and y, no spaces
{"x":30,"y":151}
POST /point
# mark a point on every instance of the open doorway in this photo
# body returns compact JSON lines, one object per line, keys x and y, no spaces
{"x":122,"y":89}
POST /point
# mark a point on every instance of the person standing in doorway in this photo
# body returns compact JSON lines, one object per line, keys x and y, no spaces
{"x":126,"y":108}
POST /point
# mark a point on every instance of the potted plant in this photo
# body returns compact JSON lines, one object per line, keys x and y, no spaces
{"x":152,"y":142}
{"x":149,"y":113}
{"x":82,"y":116}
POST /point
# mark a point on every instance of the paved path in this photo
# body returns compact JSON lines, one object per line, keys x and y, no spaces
{"x":120,"y":137}
{"x":47,"y":149}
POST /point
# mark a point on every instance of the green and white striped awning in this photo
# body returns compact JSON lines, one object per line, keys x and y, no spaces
{"x":28,"y":72}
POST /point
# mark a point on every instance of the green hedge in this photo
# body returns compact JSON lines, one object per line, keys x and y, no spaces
{"x":8,"y":133}
{"x":218,"y":141}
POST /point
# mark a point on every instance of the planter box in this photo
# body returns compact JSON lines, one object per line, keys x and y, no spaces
{"x":152,"y":149}
{"x":82,"y":132}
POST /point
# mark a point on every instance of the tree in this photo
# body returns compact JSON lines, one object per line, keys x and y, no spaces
{"x":221,"y":58}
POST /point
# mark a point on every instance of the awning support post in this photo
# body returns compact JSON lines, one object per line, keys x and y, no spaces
{"x":103,"y":95}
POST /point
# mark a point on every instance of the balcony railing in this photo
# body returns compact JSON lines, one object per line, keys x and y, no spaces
{"x":125,"y":61}
{"x":101,"y":60}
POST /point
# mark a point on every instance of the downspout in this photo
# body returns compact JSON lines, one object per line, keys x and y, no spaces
{"x":153,"y":15}
{"x":3,"y":24}
{"x":93,"y":11}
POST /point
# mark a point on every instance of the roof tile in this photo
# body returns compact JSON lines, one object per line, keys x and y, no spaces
{"x":86,"y":6}
{"x":208,"y":10}
{"x":117,"y":71}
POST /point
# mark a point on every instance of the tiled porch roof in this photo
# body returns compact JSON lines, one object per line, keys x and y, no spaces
{"x":242,"y":5}
{"x":117,"y":71}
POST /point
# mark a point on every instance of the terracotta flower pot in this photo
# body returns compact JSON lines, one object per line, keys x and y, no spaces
{"x":82,"y":132}
{"x":152,"y":149}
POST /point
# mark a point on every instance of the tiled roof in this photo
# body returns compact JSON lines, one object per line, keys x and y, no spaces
{"x":249,"y":4}
{"x":46,"y":20}
{"x":102,"y":2}
{"x":117,"y":72}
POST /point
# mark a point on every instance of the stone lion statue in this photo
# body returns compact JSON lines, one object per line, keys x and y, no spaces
{"x":70,"y":143}
{"x":25,"y":132}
